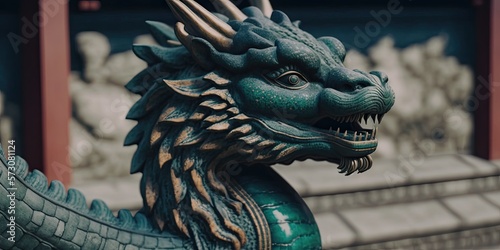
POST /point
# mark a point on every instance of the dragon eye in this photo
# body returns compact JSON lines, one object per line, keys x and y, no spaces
{"x":291,"y":80}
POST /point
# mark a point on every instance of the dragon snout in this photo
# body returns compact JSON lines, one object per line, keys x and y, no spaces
{"x":346,"y":80}
{"x":350,"y":91}
{"x":385,"y":90}
{"x":381,"y":75}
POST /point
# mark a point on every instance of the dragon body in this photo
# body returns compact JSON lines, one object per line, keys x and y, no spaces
{"x":225,"y":96}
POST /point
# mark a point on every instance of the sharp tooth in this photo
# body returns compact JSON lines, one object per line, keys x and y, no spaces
{"x":366,"y":118}
{"x":380,"y":118}
{"x":373,"y":117}
{"x":338,"y":131}
{"x":366,"y":135}
{"x":360,"y":116}
{"x":345,"y":133}
{"x":360,"y":137}
{"x":355,"y":135}
{"x":375,"y":133}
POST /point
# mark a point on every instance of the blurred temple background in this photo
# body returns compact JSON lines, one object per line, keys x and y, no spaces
{"x":435,"y":182}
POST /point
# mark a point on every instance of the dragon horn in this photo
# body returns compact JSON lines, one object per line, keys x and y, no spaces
{"x":264,"y":6}
{"x":227,"y":8}
{"x":210,"y":18}
{"x":185,"y":38}
{"x":196,"y":26}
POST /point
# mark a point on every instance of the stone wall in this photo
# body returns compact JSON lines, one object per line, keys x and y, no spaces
{"x":429,"y":115}
{"x":100,"y":104}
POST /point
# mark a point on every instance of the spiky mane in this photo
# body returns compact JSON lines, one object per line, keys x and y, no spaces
{"x":173,"y":176}
{"x":186,"y":111}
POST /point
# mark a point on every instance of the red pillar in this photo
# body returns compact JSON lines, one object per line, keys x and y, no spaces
{"x":45,"y":73}
{"x":487,"y":91}
{"x":495,"y":80}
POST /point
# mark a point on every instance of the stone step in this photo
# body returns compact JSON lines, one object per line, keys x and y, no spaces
{"x":312,"y":178}
{"x":454,"y":205}
{"x":401,"y":194}
{"x":439,"y":223}
{"x":390,"y":181}
{"x":486,"y":238}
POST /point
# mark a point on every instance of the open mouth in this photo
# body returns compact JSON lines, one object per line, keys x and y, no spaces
{"x":349,"y":127}
{"x":351,"y":142}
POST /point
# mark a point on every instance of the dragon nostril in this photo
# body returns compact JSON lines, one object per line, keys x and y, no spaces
{"x":351,"y":87}
{"x":383,"y":77}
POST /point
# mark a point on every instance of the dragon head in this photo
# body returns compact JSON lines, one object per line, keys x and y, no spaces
{"x":242,"y":88}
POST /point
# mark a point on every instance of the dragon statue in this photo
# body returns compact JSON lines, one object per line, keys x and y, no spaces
{"x":224,"y":97}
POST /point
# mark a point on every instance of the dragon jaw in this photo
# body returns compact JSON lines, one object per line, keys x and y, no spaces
{"x":341,"y":140}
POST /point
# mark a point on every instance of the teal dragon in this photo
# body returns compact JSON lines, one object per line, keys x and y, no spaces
{"x":224,"y":97}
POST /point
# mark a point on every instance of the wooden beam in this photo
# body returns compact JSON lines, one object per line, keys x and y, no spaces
{"x":486,"y":95}
{"x":46,"y":101}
